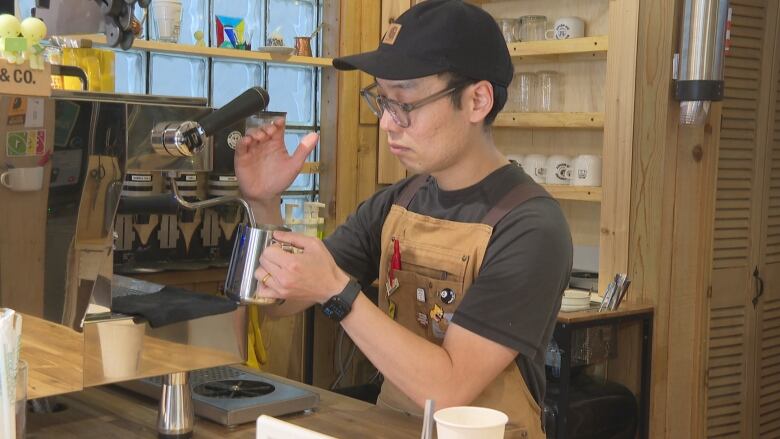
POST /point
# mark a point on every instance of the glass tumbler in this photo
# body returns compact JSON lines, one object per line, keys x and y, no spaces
{"x":522,"y":92}
{"x":509,"y":28}
{"x":21,"y":399}
{"x":549,"y":95}
{"x":532,"y":27}
{"x":263,"y":118}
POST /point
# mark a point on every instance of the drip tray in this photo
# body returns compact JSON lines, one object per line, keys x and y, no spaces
{"x":232,"y":396}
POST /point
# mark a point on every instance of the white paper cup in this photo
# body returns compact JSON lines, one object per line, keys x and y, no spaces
{"x":167,"y":19}
{"x":23,"y":179}
{"x":470,"y":423}
{"x":121,"y":344}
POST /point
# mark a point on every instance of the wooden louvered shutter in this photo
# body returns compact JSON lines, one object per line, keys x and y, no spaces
{"x":737,"y":209}
{"x":768,"y":355}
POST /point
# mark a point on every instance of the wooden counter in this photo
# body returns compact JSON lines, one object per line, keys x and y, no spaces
{"x":54,"y":368}
{"x":625,"y":310}
{"x":103,"y":412}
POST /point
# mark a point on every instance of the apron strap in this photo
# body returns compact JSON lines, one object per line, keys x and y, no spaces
{"x":408,"y":193}
{"x":515,"y":197}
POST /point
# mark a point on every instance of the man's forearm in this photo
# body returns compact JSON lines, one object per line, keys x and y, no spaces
{"x":419,"y":368}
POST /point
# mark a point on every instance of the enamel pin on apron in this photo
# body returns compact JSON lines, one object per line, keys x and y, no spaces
{"x":436,"y":313}
{"x":391,"y":309}
{"x":421,"y":295}
{"x":422,"y":319}
{"x":395,"y":264}
{"x":447,"y":296}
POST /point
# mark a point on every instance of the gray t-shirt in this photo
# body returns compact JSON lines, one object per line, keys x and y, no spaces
{"x":516,"y":295}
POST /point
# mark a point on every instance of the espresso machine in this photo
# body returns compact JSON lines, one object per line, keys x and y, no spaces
{"x":104,"y":149}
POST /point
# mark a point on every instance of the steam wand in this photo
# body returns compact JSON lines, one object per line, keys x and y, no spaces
{"x":225,"y":199}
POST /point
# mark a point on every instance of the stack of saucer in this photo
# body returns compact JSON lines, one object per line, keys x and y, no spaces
{"x":575,"y":300}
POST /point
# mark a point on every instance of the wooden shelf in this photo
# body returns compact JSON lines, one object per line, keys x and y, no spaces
{"x":213,"y":52}
{"x":550,"y":120}
{"x":587,"y":48}
{"x":574,"y":193}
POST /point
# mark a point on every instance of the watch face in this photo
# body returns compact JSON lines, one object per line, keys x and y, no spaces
{"x":336,"y":308}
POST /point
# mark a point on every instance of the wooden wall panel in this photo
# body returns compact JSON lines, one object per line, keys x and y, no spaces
{"x":389,"y":168}
{"x":23,"y":228}
{"x":354,"y":157}
{"x":348,"y":113}
{"x":618,"y":137}
{"x":672,"y":184}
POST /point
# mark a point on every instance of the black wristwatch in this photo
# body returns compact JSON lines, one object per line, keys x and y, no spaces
{"x":338,"y":306}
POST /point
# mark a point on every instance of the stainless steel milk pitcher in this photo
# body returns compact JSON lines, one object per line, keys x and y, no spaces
{"x":241,"y":284}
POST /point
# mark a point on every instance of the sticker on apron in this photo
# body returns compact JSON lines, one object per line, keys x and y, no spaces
{"x":391,"y":285}
{"x":422,"y":319}
{"x":439,"y":328}
{"x":421,"y":295}
{"x":391,"y":309}
{"x":447,"y":296}
{"x":436,"y":313}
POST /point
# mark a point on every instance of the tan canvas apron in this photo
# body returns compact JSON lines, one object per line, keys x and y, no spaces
{"x":440,"y":260}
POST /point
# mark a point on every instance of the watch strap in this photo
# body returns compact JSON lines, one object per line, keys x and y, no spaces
{"x":350,"y":292}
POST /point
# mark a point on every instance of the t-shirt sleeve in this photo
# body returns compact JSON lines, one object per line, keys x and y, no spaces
{"x":518,"y":289}
{"x":356,"y":244}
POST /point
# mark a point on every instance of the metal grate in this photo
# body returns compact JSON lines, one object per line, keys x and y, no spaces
{"x":234,"y":389}
{"x":198,"y":377}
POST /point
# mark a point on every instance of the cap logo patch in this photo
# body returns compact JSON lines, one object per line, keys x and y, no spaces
{"x":392,"y":34}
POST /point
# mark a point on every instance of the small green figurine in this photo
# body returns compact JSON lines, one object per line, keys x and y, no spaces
{"x":34,"y":30}
{"x":12,"y":46}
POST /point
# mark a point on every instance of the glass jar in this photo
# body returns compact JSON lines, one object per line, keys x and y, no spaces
{"x":509,"y":29}
{"x":549,"y":95}
{"x":522,"y":93}
{"x":532,"y":27}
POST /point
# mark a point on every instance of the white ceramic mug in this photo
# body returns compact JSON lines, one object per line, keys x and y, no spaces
{"x":565,"y":28}
{"x":23,"y":179}
{"x":558,"y":169}
{"x":534,"y":165}
{"x":587,"y":170}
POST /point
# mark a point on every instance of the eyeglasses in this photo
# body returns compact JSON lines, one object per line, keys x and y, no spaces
{"x":399,"y":111}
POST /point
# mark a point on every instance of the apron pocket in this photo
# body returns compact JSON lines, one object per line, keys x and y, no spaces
{"x":418,"y":303}
{"x":432,"y":262}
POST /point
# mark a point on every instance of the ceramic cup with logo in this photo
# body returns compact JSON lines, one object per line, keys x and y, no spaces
{"x":534,"y":165}
{"x":587,"y":170}
{"x":23,"y":179}
{"x":558,"y":169}
{"x":565,"y":28}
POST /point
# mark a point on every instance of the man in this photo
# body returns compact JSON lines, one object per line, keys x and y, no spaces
{"x":471,"y":255}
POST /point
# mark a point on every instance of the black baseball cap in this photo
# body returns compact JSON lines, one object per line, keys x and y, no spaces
{"x":438,"y":36}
